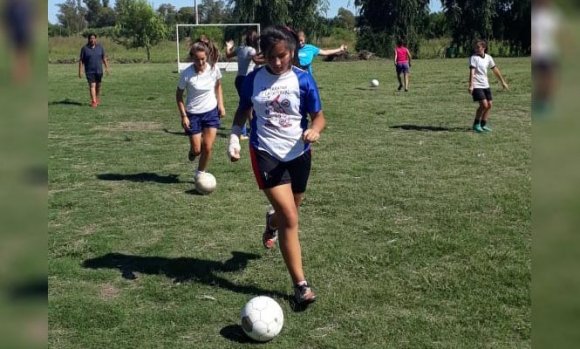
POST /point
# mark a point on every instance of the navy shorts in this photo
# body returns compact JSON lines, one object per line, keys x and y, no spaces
{"x":402,"y":68}
{"x":479,"y":94}
{"x":94,"y":77}
{"x":271,"y":172}
{"x":198,"y":122}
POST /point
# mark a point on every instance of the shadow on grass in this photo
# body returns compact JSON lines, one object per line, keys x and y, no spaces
{"x":221,"y":133}
{"x":140,"y":177}
{"x":67,"y":101}
{"x":182,"y":269}
{"x":30,"y":290}
{"x":431,"y":128}
{"x":235,"y":334}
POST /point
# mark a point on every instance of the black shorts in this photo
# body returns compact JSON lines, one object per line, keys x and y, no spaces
{"x":271,"y":172}
{"x":479,"y":94}
{"x":94,"y":77}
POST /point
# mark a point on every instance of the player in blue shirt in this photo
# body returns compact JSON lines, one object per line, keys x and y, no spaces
{"x":307,"y":52}
{"x":93,"y":57}
{"x":280,"y":98}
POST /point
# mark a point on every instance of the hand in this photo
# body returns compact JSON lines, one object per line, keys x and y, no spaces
{"x":222,"y":112}
{"x":234,"y":148}
{"x":185,"y":123}
{"x":310,"y":136}
{"x":229,"y":44}
{"x":343,"y":48}
{"x":470,"y":89}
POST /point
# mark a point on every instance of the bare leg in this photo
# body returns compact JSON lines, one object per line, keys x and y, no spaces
{"x":98,"y":92}
{"x":285,"y":203}
{"x":400,"y":81}
{"x":485,"y":113}
{"x":195,"y":144}
{"x":406,"y":81}
{"x":93,"y":91}
{"x":208,"y":139}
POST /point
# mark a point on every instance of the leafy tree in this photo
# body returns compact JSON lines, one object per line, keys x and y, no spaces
{"x":72,"y":16}
{"x":384,"y":21}
{"x":94,"y":8}
{"x":168,"y":13}
{"x":436,"y":26}
{"x":138,"y":25}
{"x":469,"y":20}
{"x":107,"y":17}
{"x":345,"y":19}
{"x":186,"y":15}
{"x":213,"y":11}
{"x":300,"y":14}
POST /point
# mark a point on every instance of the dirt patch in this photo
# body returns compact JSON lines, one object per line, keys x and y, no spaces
{"x":109,"y":291}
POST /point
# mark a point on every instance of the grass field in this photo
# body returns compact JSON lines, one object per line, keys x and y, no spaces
{"x":416,"y":233}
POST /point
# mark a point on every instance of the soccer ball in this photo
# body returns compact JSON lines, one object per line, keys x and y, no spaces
{"x":374,"y":82}
{"x":262,"y":318}
{"x":205,"y":183}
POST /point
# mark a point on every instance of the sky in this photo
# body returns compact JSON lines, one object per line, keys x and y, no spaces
{"x":334,"y":6}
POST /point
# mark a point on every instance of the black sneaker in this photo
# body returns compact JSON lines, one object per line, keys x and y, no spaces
{"x":303,"y":294}
{"x":270,"y":236}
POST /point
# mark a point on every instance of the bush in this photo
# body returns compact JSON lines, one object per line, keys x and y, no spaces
{"x":104,"y":32}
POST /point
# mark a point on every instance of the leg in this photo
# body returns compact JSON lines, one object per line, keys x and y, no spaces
{"x":93,"y":91}
{"x":98,"y":92}
{"x":486,"y":109}
{"x":194,"y":146}
{"x":284,"y":202}
{"x":207,"y":141}
{"x":406,"y":81}
{"x":399,"y":78}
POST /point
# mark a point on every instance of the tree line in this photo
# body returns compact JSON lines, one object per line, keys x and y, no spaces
{"x":376,"y":26}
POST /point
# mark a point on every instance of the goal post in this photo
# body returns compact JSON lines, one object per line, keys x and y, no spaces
{"x":228,"y":31}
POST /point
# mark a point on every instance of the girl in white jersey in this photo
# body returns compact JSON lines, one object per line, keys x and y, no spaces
{"x":479,"y":85}
{"x":281,"y":98}
{"x":200,"y":115}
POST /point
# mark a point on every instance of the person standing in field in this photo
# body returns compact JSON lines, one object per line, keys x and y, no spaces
{"x":479,"y":87}
{"x":308,"y":52}
{"x":402,"y":64}
{"x":200,"y":114}
{"x":18,"y":16}
{"x":92,"y":58}
{"x":246,"y":55}
{"x":281,"y":97}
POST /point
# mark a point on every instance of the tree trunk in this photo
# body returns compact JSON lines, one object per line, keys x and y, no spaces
{"x":148,"y":49}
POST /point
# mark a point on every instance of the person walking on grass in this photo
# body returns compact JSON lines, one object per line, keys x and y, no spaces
{"x":308,"y":52}
{"x":402,"y":64}
{"x":92,"y":58}
{"x":281,"y":98}
{"x":200,"y":114}
{"x":246,"y":54}
{"x":479,"y":88}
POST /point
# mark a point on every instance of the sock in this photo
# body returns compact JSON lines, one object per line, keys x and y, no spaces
{"x":476,"y":122}
{"x":198,"y":172}
{"x":483,"y":122}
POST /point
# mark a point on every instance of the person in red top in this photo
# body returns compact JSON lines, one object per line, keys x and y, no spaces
{"x":402,"y":64}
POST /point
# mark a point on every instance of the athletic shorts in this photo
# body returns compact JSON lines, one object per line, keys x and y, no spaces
{"x":479,"y":94}
{"x":198,"y":122}
{"x":402,"y":68}
{"x":271,"y":172}
{"x":94,"y":77}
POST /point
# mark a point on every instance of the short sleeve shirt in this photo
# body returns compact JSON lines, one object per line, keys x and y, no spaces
{"x":200,"y":88}
{"x":306,"y":55}
{"x":245,"y":64}
{"x":92,"y":58}
{"x":281,"y":104}
{"x":481,"y":65}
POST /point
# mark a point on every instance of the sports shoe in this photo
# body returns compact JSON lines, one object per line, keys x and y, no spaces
{"x":400,"y":88}
{"x":270,"y":236}
{"x":486,"y":128}
{"x":477,"y":128}
{"x":303,"y":294}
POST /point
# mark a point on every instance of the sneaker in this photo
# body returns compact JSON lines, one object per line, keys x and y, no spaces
{"x":270,"y":236}
{"x":190,"y":156}
{"x":486,"y":128}
{"x":400,"y":88}
{"x":303,"y":294}
{"x":477,"y":128}
{"x":94,"y":104}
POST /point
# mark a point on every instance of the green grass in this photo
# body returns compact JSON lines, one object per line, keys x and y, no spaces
{"x":415,"y":231}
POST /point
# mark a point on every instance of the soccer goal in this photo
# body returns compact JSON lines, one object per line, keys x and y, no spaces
{"x":218,"y":33}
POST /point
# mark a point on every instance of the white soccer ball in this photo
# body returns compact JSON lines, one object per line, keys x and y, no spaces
{"x":262,"y":318}
{"x":205,"y":183}
{"x":374,"y":82}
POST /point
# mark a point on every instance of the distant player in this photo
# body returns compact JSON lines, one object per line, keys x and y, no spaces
{"x":246,"y":55}
{"x":308,"y":52}
{"x":18,"y":18}
{"x":281,"y":97}
{"x":402,"y":64}
{"x":204,"y":106}
{"x":92,"y":58}
{"x":479,"y":88}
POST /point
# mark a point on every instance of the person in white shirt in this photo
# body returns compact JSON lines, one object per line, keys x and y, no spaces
{"x":200,"y":114}
{"x":479,"y":88}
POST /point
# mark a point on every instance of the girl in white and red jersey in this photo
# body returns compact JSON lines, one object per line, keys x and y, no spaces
{"x":281,"y":98}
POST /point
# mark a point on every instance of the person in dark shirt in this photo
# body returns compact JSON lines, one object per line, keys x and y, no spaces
{"x":17,"y":19}
{"x":93,"y":57}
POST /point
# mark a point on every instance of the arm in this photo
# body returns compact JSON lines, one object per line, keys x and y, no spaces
{"x":80,"y":68}
{"x":471,"y":74}
{"x":410,"y":56}
{"x":106,"y":64}
{"x":396,"y":56}
{"x":220,"y":98}
{"x":181,"y":108}
{"x":230,"y":52}
{"x":498,"y":75}
{"x":239,"y":120}
{"x":259,"y":59}
{"x":341,"y":49}
{"x":312,"y":134}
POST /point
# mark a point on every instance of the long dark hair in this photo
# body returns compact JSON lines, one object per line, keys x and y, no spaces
{"x":276,"y":33}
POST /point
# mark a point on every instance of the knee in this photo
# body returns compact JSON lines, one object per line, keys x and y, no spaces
{"x":289,"y":219}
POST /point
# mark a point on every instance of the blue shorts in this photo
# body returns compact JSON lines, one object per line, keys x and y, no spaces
{"x":94,"y":78}
{"x":480,"y":94}
{"x":198,"y":122}
{"x":402,"y":68}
